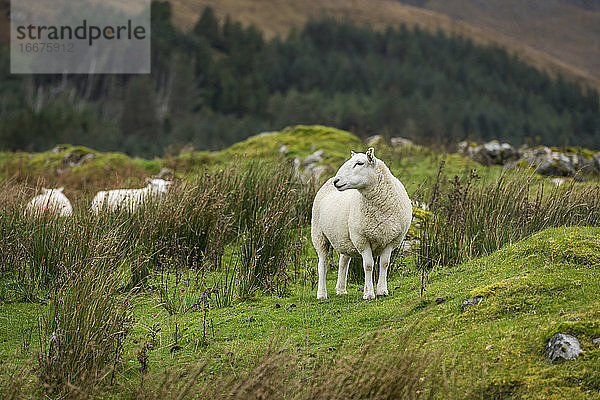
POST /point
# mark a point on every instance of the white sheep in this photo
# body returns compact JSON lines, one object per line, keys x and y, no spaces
{"x":50,"y":202}
{"x":128,"y":199}
{"x":362,"y":211}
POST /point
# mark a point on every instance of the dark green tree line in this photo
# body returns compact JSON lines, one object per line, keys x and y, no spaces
{"x":222,"y":82}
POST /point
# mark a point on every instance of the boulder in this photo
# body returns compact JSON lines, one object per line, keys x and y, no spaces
{"x":596,"y":161}
{"x":74,"y":158}
{"x":314,"y":158}
{"x":308,"y":170}
{"x":401,"y":142}
{"x":549,"y":162}
{"x":374,"y":140}
{"x":473,"y":301}
{"x":596,"y":341}
{"x":490,"y":153}
{"x":562,"y":347}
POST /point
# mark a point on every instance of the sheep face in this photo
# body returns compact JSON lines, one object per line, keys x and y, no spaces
{"x":49,"y":192}
{"x":356,"y":173}
{"x":159,"y":186}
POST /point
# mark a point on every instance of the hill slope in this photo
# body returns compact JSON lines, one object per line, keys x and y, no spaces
{"x":565,"y":29}
{"x":277,"y":17}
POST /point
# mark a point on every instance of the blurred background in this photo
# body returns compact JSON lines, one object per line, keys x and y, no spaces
{"x":435,"y":72}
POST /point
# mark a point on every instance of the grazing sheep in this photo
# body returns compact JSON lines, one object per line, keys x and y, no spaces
{"x":128,"y":199}
{"x":50,"y":202}
{"x":362,"y":211}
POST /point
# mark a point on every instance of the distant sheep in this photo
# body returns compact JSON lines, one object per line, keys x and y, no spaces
{"x":128,"y":199}
{"x":364,"y":211}
{"x":50,"y":202}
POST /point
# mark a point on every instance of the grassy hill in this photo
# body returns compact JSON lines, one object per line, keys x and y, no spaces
{"x":196,"y":321}
{"x":566,"y":30}
{"x":559,"y":44}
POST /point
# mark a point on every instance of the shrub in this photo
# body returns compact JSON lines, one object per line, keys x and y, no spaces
{"x":472,"y":218}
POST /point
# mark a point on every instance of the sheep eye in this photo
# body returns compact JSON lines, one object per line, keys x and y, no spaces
{"x":359,"y":163}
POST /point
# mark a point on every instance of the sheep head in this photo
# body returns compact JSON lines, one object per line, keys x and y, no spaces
{"x":159,"y":186}
{"x":358,"y":172}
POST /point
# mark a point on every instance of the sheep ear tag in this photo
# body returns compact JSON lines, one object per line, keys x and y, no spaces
{"x":371,"y":155}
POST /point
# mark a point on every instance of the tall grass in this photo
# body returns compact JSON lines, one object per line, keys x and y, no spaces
{"x":222,"y":235}
{"x":84,"y":327}
{"x":379,"y":370}
{"x":473,"y":218}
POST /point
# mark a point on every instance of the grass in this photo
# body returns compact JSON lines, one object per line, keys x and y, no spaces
{"x":215,"y":286}
{"x":496,"y":347}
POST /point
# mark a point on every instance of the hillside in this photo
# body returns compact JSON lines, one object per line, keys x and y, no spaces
{"x":564,"y":29}
{"x":196,"y":291}
{"x":277,"y":17}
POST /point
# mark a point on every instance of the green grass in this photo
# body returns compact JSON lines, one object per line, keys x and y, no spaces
{"x":531,"y":289}
{"x":278,"y":331}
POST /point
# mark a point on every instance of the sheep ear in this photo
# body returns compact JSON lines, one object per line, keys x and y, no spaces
{"x":352,"y":153}
{"x":371,"y":155}
{"x":60,"y":189}
{"x":148,"y":180}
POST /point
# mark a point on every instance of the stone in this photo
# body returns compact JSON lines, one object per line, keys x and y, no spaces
{"x":551,"y":163}
{"x":596,"y":161}
{"x":490,"y":153}
{"x":401,"y":142}
{"x":562,"y":347}
{"x":407,"y":245}
{"x":314,"y":158}
{"x":308,"y":170}
{"x":75,"y":158}
{"x":473,"y":301}
{"x":374,"y":140}
{"x":596,"y":341}
{"x":558,"y":181}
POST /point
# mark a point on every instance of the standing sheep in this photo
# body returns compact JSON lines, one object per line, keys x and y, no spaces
{"x":362,"y":211}
{"x":128,"y":199}
{"x":50,"y":202}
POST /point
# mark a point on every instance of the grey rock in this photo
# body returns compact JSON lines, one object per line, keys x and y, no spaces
{"x":558,"y":181}
{"x":551,"y":163}
{"x":401,"y":142}
{"x":308,"y":170}
{"x":314,"y":158}
{"x":407,"y":245}
{"x":374,"y":140}
{"x":596,"y":161}
{"x":596,"y":341}
{"x":473,"y":301}
{"x":562,"y":347}
{"x":270,"y":133}
{"x":490,"y":153}
{"x":75,"y":158}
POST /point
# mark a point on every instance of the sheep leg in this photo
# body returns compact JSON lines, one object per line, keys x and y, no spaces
{"x":368,"y":262}
{"x":384,"y":262}
{"x":322,"y":269}
{"x":340,"y":288}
